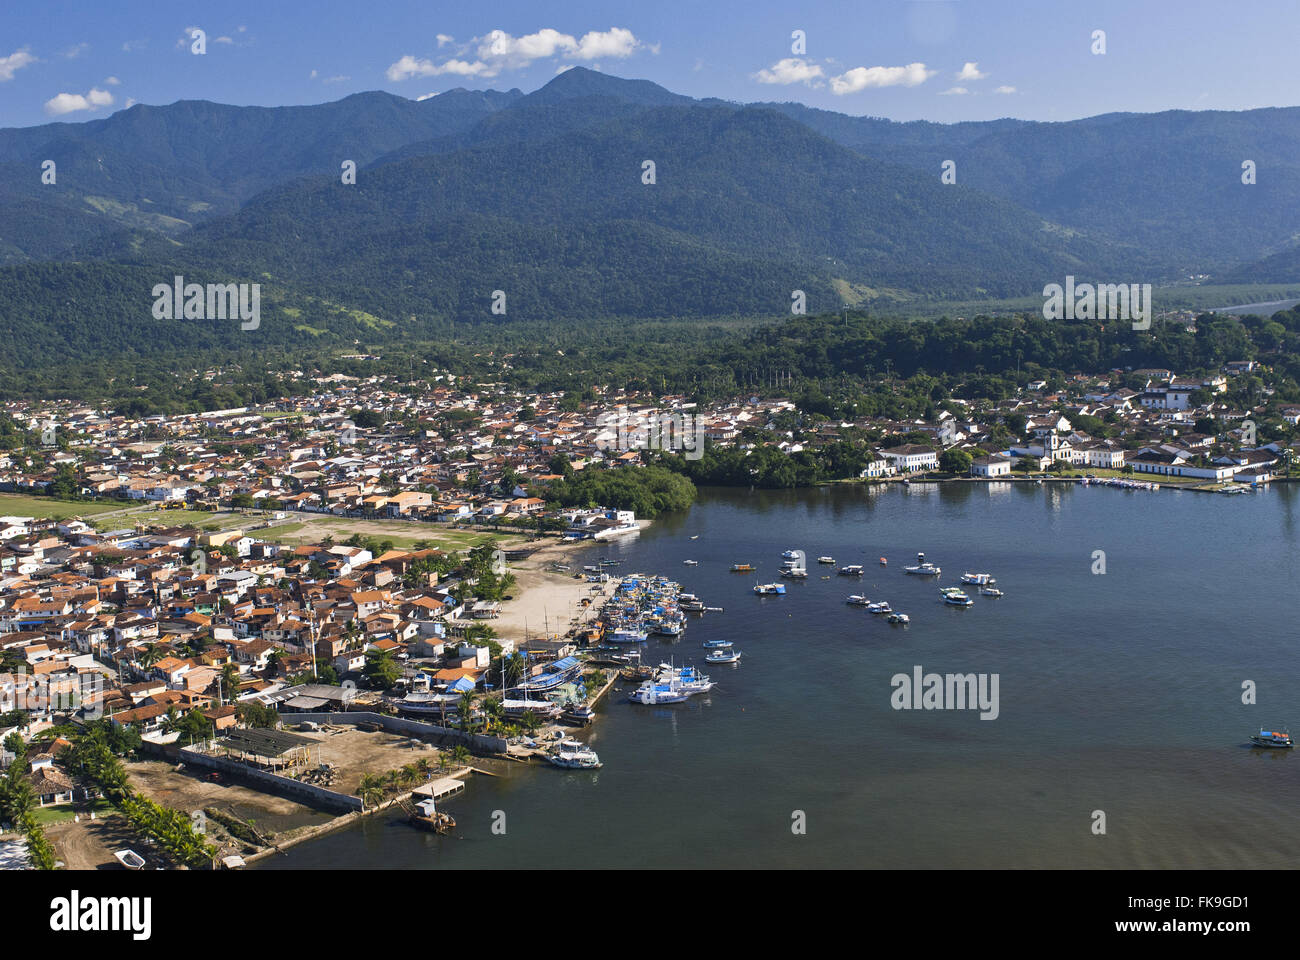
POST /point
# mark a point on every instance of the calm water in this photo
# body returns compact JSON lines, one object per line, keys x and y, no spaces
{"x":1119,"y":692}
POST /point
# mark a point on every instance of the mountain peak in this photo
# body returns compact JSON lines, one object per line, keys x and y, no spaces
{"x":585,"y":82}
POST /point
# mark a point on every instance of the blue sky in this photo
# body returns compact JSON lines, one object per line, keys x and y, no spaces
{"x":903,"y":59}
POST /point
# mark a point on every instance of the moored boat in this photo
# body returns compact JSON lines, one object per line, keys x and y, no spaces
{"x":851,"y":570}
{"x":857,"y":600}
{"x":881,"y":606}
{"x":723,"y":656}
{"x":573,"y":755}
{"x":978,"y":579}
{"x":830,"y":560}
{"x":899,"y":618}
{"x":742,"y":568}
{"x":769,"y":589}
{"x":1272,"y":738}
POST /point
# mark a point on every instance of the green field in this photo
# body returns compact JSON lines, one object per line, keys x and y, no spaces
{"x":45,"y":816}
{"x":18,"y":505}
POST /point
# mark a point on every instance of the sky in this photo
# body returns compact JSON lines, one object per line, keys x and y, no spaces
{"x":943,"y":60}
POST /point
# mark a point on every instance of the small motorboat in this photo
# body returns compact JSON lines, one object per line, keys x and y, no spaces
{"x":795,"y":573}
{"x":717,"y":644}
{"x":978,"y":579}
{"x":991,"y":592}
{"x":880,"y":606}
{"x":884,"y":562}
{"x":723,"y":656}
{"x":791,"y":555}
{"x":691,"y":563}
{"x":899,"y":618}
{"x":857,"y":600}
{"x":1271,"y":738}
{"x":852,"y":570}
{"x":923,"y":568}
{"x":955,"y":597}
{"x":826,"y":560}
{"x":696,"y":537}
{"x":130,"y":859}
{"x":742,"y":568}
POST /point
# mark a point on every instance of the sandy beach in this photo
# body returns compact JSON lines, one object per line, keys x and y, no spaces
{"x":547,"y":601}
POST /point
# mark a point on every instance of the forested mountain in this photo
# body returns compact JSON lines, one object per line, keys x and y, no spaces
{"x":541,"y":196}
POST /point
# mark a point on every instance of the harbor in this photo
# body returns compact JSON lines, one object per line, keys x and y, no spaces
{"x":803,"y":721}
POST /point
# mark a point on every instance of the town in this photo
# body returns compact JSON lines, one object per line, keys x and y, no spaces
{"x":380,"y":568}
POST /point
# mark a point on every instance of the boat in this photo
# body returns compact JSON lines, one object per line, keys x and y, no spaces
{"x":130,"y":859}
{"x":426,"y":816}
{"x":884,"y":562}
{"x":717,"y":644}
{"x":577,"y":714}
{"x":628,"y":633}
{"x":852,"y":570}
{"x":688,"y":679}
{"x":899,"y":618}
{"x":790,"y":555}
{"x":573,"y":755}
{"x":881,"y":606}
{"x":690,"y":603}
{"x":795,"y":573}
{"x":667,"y":628}
{"x":651,"y":693}
{"x":742,"y":568}
{"x":857,"y":600}
{"x":991,"y":592}
{"x":830,"y":560}
{"x":691,"y":563}
{"x":696,"y":537}
{"x":978,"y":579}
{"x":1271,"y":738}
{"x":636,"y":673}
{"x":956,"y":598}
{"x":723,"y":656}
{"x":769,"y":589}
{"x":923,"y":568}
{"x":789,"y":565}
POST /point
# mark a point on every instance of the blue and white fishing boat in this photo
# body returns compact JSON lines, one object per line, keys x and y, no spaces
{"x":880,"y":606}
{"x":717,"y":644}
{"x":856,"y":600}
{"x":956,"y":598}
{"x":723,"y":656}
{"x":769,"y":589}
{"x":651,"y":693}
{"x":790,"y":555}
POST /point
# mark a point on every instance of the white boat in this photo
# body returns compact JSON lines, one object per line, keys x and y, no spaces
{"x":900,"y":618}
{"x":717,"y":644}
{"x":852,"y":570}
{"x":991,"y":592}
{"x":691,"y":563}
{"x":620,"y":530}
{"x":826,"y":560}
{"x":856,"y":600}
{"x":769,"y":589}
{"x":881,"y":606}
{"x":130,"y":859}
{"x":956,"y":598}
{"x":978,"y":579}
{"x":790,"y":555}
{"x":923,"y":567}
{"x":574,"y":756}
{"x":795,"y":573}
{"x":650,"y":694}
{"x":723,"y":656}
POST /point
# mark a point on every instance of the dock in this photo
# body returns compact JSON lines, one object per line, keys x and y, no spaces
{"x":437,"y":789}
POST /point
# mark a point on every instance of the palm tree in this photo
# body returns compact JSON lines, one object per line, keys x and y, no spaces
{"x":494,"y":709}
{"x":152,"y":654}
{"x":465,"y":708}
{"x":371,"y":789}
{"x":461,"y":754}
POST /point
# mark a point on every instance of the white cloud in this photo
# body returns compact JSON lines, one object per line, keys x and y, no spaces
{"x":971,"y":71}
{"x":427,"y":96}
{"x":111,"y":81}
{"x":1005,"y":90}
{"x":860,"y":78}
{"x":312,"y":75}
{"x":954,"y":92}
{"x":223,"y":40}
{"x":73,"y":102}
{"x":187,"y":36}
{"x":790,"y":70}
{"x":444,"y":39}
{"x":76,"y":50}
{"x":564,"y":68}
{"x":338,"y":78}
{"x":15,"y":61}
{"x":134,"y":45}
{"x":130,"y":102}
{"x":614,"y":42}
{"x":499,"y":51}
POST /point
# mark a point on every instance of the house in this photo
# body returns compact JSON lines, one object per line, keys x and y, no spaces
{"x":911,"y":458}
{"x":993,"y":466}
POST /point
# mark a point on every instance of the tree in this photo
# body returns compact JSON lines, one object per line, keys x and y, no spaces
{"x":381,"y":670}
{"x":955,"y":460}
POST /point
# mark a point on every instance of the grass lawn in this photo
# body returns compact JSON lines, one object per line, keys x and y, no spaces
{"x":18,"y":505}
{"x":45,"y":816}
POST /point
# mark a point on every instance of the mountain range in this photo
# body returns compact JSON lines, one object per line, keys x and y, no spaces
{"x":543,"y":196}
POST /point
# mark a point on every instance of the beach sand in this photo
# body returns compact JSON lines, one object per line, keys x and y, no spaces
{"x":546,"y":601}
